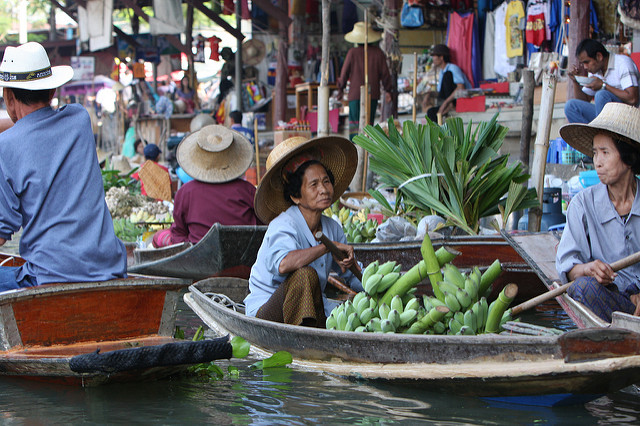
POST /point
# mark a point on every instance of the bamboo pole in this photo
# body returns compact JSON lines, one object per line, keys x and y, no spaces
{"x":255,"y":139}
{"x":527,"y":117}
{"x":415,"y":84}
{"x":323,"y":89}
{"x":365,"y":99}
{"x":542,"y":146}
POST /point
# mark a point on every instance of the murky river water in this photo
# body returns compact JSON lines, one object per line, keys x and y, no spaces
{"x":285,"y":396}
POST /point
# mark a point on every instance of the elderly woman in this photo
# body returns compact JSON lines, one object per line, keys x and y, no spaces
{"x":603,"y":221}
{"x":290,"y":274}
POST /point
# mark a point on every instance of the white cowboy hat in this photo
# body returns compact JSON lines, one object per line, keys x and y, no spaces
{"x":27,"y":67}
{"x":357,"y":35}
{"x":215,"y":154}
{"x":336,"y":153}
{"x":621,"y":121}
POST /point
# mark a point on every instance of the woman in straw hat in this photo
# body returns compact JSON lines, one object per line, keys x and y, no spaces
{"x":216,"y":158}
{"x":603,"y":221}
{"x":303,"y":178}
{"x":50,"y":182}
{"x":353,"y":72}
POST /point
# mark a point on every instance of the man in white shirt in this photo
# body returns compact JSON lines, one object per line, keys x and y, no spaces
{"x":616,"y":80}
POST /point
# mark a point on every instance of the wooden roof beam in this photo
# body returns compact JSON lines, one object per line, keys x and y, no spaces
{"x":273,"y":11}
{"x":215,"y":18}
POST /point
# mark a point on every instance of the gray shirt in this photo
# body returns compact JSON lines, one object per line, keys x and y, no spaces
{"x":595,"y":230}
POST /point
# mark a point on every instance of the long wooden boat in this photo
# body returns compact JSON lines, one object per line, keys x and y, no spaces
{"x":539,"y":251}
{"x":577,"y":365}
{"x":98,"y":332}
{"x":223,"y":251}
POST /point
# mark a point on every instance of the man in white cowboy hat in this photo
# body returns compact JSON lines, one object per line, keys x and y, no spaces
{"x":603,"y":220}
{"x":50,"y":182}
{"x":353,"y":72}
{"x":216,"y":158}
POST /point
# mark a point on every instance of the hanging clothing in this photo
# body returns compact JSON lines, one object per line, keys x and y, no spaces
{"x":214,"y":42}
{"x":464,"y":46}
{"x":537,"y":30}
{"x":488,"y":72}
{"x":168,"y":17}
{"x":501,"y":63}
{"x":513,"y":18}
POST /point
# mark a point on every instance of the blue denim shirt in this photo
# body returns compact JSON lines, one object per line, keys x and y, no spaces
{"x":594,"y":230}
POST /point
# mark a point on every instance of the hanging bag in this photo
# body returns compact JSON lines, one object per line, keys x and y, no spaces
{"x":411,"y":16}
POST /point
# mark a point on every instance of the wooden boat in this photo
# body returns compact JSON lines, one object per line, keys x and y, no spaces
{"x":576,"y":365}
{"x":98,"y":332}
{"x":539,"y":251}
{"x":223,"y":251}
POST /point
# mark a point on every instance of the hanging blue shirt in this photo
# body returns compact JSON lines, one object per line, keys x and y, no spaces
{"x":51,"y":186}
{"x":286,"y":233}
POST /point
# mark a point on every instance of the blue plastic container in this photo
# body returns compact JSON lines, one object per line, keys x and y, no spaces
{"x":588,"y":178}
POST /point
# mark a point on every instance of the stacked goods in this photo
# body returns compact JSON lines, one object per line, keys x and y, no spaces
{"x":460,"y":306}
{"x":128,"y":210}
{"x":357,"y":227}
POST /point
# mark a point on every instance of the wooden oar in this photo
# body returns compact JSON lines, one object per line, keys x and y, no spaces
{"x":337,"y":252}
{"x":616,"y":266}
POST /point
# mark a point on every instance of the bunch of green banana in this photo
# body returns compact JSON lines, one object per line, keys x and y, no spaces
{"x":352,"y":315}
{"x":360,"y":232}
{"x":378,"y":278}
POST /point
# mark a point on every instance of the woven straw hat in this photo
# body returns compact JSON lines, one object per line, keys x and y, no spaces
{"x":357,"y":34}
{"x":157,"y":182}
{"x":27,"y":67}
{"x":619,"y":120}
{"x":253,"y":51}
{"x":214,"y":154}
{"x":336,"y":153}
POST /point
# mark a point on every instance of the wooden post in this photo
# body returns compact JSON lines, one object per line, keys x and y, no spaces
{"x":238,"y":58}
{"x":255,"y":140}
{"x":578,"y":31}
{"x":527,"y":117}
{"x":280,"y":92}
{"x":364,"y":98}
{"x":542,"y":146}
{"x":323,"y":90}
{"x":415,"y":84}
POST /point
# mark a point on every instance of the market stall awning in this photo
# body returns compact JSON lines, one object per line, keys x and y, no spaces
{"x":83,"y":87}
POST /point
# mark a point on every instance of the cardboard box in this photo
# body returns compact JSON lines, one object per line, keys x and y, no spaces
{"x":282,"y":135}
{"x":474,"y":104}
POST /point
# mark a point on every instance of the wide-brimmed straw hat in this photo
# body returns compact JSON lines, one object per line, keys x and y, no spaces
{"x":214,"y":154}
{"x":620,"y":121}
{"x":253,"y":51}
{"x":27,"y":67}
{"x":357,"y":35}
{"x":336,"y":153}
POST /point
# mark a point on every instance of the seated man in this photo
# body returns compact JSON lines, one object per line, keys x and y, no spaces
{"x":616,"y":80}
{"x":216,"y":158}
{"x":50,"y":181}
{"x":235,"y":117}
{"x":451,"y":81}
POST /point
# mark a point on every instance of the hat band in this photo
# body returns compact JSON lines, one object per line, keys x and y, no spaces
{"x":26,"y":76}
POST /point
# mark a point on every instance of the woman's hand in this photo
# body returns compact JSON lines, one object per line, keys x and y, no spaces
{"x":350,"y":258}
{"x":601,"y":271}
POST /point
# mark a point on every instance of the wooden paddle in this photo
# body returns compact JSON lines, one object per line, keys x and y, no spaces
{"x":337,"y":252}
{"x":616,"y":266}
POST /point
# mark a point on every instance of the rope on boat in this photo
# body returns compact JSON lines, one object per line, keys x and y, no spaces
{"x":226,"y":302}
{"x":175,"y":353}
{"x":7,"y":260}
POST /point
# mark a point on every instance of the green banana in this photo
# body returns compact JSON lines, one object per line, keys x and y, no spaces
{"x":358,"y":239}
{"x":459,"y":316}
{"x":466,"y":331}
{"x":374,"y":325}
{"x":352,"y":322}
{"x":447,"y":286}
{"x":383,"y":311}
{"x":439,"y":327}
{"x":331,"y":322}
{"x":471,"y":288}
{"x":372,"y":283}
{"x":451,"y":301}
{"x":398,"y":268}
{"x":413,"y":303}
{"x":356,"y":299}
{"x":362,"y":304}
{"x":396,"y":303}
{"x":427,"y":321}
{"x":453,"y":275}
{"x":454,"y":326}
{"x":371,"y":269}
{"x":407,"y":317}
{"x":360,"y":329}
{"x":387,"y":326}
{"x":394,"y":317}
{"x":505,"y":317}
{"x":341,"y":321}
{"x":426,"y":302}
{"x":366,"y":315}
{"x":388,"y":280}
{"x":463,"y":298}
{"x":349,"y":308}
{"x":386,"y":267}
{"x":470,"y":319}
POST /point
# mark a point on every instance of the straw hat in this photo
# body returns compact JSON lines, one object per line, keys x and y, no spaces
{"x":357,"y":34}
{"x":27,"y":67}
{"x":336,"y":153}
{"x":616,"y":119}
{"x":214,"y":154}
{"x":199,"y":121}
{"x":253,"y":51}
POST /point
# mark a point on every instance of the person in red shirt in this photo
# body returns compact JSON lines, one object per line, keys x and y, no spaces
{"x":151,"y":153}
{"x":216,"y":158}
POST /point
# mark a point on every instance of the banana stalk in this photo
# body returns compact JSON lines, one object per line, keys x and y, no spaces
{"x":427,"y":321}
{"x":433,"y":266}
{"x":405,"y":283}
{"x":498,"y":306}
{"x":489,"y":277}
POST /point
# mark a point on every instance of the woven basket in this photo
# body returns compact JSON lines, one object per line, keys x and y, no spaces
{"x":156,"y":180}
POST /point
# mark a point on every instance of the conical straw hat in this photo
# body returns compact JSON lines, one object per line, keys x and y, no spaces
{"x":357,"y":35}
{"x":336,"y":153}
{"x":620,"y":121}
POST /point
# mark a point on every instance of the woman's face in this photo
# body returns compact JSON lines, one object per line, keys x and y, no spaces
{"x":607,"y":161}
{"x":316,"y":192}
{"x":140,"y":149}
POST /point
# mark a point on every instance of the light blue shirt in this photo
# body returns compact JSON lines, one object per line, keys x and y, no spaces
{"x":458,"y":76}
{"x":286,"y":233}
{"x":51,"y":186}
{"x":594,"y":230}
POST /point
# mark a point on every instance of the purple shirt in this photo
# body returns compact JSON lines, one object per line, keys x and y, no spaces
{"x":198,"y":205}
{"x":353,"y":71}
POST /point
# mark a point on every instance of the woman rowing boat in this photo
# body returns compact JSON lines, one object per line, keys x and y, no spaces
{"x":287,"y":281}
{"x":603,"y":221}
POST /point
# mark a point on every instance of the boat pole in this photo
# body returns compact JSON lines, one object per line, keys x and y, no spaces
{"x":255,"y":140}
{"x":616,"y":266}
{"x":365,"y":98}
{"x":337,"y":252}
{"x":415,"y":84}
